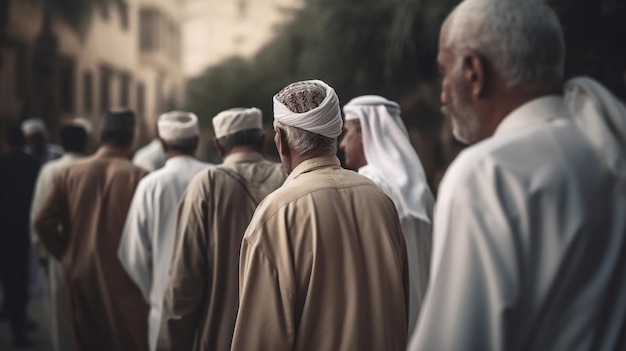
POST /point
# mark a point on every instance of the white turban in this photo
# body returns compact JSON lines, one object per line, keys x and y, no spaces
{"x":177,"y":125}
{"x":237,"y":119}
{"x":33,"y":126}
{"x":324,"y":119}
{"x":390,"y":155}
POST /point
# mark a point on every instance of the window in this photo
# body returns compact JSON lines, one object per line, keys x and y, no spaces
{"x":105,"y":88}
{"x":243,"y":9}
{"x":88,"y":92}
{"x":124,"y":89}
{"x":148,"y":33}
{"x":66,"y":85}
{"x":141,"y":96}
{"x":123,"y":10}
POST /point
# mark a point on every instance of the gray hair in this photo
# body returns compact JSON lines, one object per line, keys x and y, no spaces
{"x":307,"y":143}
{"x":521,"y":38}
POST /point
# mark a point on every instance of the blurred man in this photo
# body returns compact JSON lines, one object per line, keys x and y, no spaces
{"x":37,"y":143}
{"x":74,"y":141}
{"x":202,"y":297}
{"x":18,"y":172}
{"x":80,"y":222}
{"x":150,"y":157}
{"x":148,"y":239}
{"x":377,"y":144}
{"x":529,"y":232}
{"x":323,"y":262}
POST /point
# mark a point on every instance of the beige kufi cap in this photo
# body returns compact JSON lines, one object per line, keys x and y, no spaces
{"x":178,"y":125}
{"x":237,"y":119}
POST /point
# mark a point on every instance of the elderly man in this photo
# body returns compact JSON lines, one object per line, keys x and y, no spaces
{"x":377,"y":144}
{"x":37,"y":143}
{"x":529,"y":230}
{"x":202,"y":298}
{"x":74,"y":141}
{"x":80,"y":222}
{"x":323,"y":262}
{"x":148,"y":238}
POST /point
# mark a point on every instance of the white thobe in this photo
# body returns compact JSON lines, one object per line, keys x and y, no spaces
{"x":417,"y":235}
{"x":529,"y":248}
{"x":147,"y":242}
{"x":56,"y":289}
{"x":150,"y":157}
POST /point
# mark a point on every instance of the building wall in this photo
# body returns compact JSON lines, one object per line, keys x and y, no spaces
{"x":215,"y":30}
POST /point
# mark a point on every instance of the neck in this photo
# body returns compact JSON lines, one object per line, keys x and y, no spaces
{"x":115,"y":148}
{"x":171,"y":154}
{"x":240,"y":149}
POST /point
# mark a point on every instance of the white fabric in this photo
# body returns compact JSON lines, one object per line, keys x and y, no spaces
{"x":177,"y":125}
{"x":146,"y":246}
{"x":57,"y":298}
{"x":323,"y":120}
{"x":150,"y":157}
{"x":237,"y":119}
{"x":34,"y":125}
{"x":529,"y":242}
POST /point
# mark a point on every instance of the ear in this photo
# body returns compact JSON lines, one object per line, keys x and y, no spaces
{"x":218,"y":148}
{"x":281,"y":143}
{"x":474,"y":73}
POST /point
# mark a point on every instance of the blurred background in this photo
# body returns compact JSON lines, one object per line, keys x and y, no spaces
{"x":62,"y":59}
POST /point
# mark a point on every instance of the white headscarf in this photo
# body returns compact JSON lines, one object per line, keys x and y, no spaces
{"x":389,"y":153}
{"x":324,"y":119}
{"x":602,"y":118}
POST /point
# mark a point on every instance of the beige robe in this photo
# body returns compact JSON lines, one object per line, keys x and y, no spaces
{"x":89,"y":200}
{"x":202,"y":297}
{"x":323,"y":266}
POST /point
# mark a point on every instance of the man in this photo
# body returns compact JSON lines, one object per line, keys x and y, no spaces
{"x":529,"y":231}
{"x":18,"y":172}
{"x":147,"y":242}
{"x":202,"y":298}
{"x":80,"y":223}
{"x":323,"y":262}
{"x":150,"y":157}
{"x":74,"y":141}
{"x":37,"y":141}
{"x":377,"y":144}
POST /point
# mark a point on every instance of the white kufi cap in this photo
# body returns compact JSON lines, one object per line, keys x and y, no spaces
{"x":237,"y":119}
{"x":33,"y":125}
{"x":177,"y":125}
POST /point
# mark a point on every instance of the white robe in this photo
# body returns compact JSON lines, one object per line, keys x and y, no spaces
{"x":145,"y":249}
{"x":529,"y":248}
{"x":56,"y":289}
{"x":150,"y":157}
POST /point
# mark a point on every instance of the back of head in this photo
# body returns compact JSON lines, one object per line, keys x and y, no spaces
{"x":33,"y":126}
{"x":118,"y":127}
{"x":15,"y":137}
{"x":522,"y":39}
{"x":73,"y":138}
{"x":179,"y":131}
{"x":309,"y":113}
{"x":239,"y":127}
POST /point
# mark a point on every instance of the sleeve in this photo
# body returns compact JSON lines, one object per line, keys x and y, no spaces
{"x":50,"y":217}
{"x":187,"y":286}
{"x":135,"y":248}
{"x":473,"y":279}
{"x":265,"y":320}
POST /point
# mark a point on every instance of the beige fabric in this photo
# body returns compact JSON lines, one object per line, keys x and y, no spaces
{"x":89,"y":200}
{"x":323,"y":266}
{"x":202,"y":297}
{"x":236,"y":120}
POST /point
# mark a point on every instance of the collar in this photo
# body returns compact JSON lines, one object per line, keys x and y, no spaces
{"x":539,"y":110}
{"x":313,"y":164}
{"x":108,"y":152}
{"x":243,"y":157}
{"x":177,"y":161}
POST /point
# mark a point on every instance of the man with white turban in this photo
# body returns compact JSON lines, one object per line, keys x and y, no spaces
{"x":377,"y":144}
{"x":323,"y":262}
{"x":529,"y":240}
{"x":201,"y":299}
{"x":147,"y":242}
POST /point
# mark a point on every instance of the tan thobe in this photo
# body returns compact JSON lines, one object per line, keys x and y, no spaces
{"x":202,"y":297}
{"x":89,"y":201}
{"x":323,"y":266}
